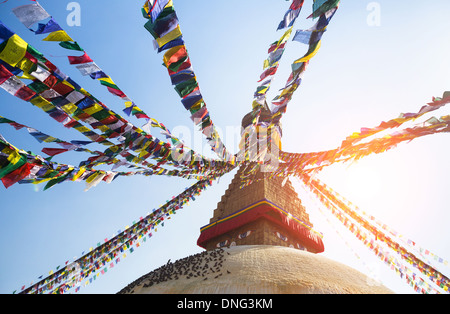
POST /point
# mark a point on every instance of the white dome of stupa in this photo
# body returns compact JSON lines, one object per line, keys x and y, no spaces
{"x":255,"y":269}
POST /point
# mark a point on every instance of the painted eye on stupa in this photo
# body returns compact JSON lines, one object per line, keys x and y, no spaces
{"x":282,"y":237}
{"x":222,"y":244}
{"x":244,"y":235}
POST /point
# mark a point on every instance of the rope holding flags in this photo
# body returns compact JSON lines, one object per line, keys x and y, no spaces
{"x":107,"y":254}
{"x":163,"y":25}
{"x":84,"y":63}
{"x":359,"y":225}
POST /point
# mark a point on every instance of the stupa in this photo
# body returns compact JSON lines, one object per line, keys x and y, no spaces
{"x":259,"y":241}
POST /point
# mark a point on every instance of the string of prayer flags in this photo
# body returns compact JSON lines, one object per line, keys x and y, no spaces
{"x":292,"y":14}
{"x":298,"y":163}
{"x":435,"y":104}
{"x":270,"y":66}
{"x":155,"y":7}
{"x":360,"y":224}
{"x":68,"y":103}
{"x":30,"y":14}
{"x":88,"y":267}
{"x":13,"y":169}
{"x":321,"y":7}
{"x":80,"y":59}
{"x":59,"y":35}
{"x":164,"y":27}
{"x":88,"y":67}
{"x":49,"y":27}
{"x":312,"y":37}
{"x":425,"y":253}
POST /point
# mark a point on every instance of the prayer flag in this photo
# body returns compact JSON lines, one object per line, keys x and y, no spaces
{"x":289,"y":18}
{"x":174,"y":55}
{"x":176,"y":42}
{"x":12,"y":85}
{"x":182,"y":76}
{"x":30,"y":14}
{"x":269,"y":71}
{"x":14,"y":50}
{"x":81,"y":59}
{"x":308,"y":36}
{"x":156,"y":7}
{"x":50,"y":27}
{"x":162,"y":25}
{"x":322,"y":6}
{"x":4,"y":74}
{"x":5,"y":32}
{"x":302,"y":36}
{"x":88,"y":68}
{"x":60,"y":35}
{"x":13,"y":162}
{"x":175,"y":33}
{"x":190,"y":100}
{"x":25,"y":93}
{"x":186,"y":87}
{"x":70,"y":45}
{"x":313,"y":49}
{"x":15,"y":176}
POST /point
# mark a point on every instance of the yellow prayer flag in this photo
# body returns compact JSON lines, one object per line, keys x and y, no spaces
{"x":169,"y":4}
{"x":82,"y":129}
{"x":69,"y":108}
{"x":14,"y":157}
{"x":93,"y":109}
{"x":312,"y":54}
{"x":92,"y":177}
{"x":68,"y":84}
{"x":50,"y":139}
{"x":14,"y":50}
{"x":58,"y":36}
{"x":80,"y":172}
{"x":285,"y":36}
{"x":26,"y":76}
{"x":169,"y":36}
{"x":169,"y":53}
{"x":25,"y":65}
{"x":198,"y":105}
{"x":107,"y":80}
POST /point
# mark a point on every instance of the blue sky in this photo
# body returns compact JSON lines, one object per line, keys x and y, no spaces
{"x":361,"y":76}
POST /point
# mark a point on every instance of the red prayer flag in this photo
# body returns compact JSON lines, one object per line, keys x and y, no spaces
{"x":186,"y":64}
{"x":25,"y":93}
{"x":177,"y":56}
{"x":296,"y":4}
{"x":78,"y":60}
{"x":269,"y":71}
{"x":16,"y":175}
{"x":275,"y":46}
{"x":4,"y":74}
{"x":53,"y":151}
{"x":116,"y":92}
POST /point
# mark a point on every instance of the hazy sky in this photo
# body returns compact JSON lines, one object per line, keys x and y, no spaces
{"x":370,"y":69}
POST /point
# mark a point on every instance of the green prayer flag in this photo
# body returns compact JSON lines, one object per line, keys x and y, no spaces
{"x":109,"y":84}
{"x":56,"y":180}
{"x":320,"y":8}
{"x":12,"y":166}
{"x":71,"y":45}
{"x":186,"y":87}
